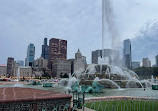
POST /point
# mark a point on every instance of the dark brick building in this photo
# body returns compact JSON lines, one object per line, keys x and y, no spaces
{"x":57,"y":50}
{"x":10,"y":63}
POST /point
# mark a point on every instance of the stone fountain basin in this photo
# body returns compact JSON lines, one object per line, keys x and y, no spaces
{"x":16,"y":94}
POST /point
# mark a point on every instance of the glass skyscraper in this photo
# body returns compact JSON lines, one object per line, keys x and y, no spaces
{"x":45,"y":49}
{"x":127,"y":58}
{"x":30,"y":55}
{"x":10,"y":62}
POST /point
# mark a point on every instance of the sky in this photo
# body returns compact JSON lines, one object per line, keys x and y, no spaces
{"x":77,"y":21}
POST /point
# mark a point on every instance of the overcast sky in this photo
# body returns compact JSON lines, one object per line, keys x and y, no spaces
{"x":77,"y":21}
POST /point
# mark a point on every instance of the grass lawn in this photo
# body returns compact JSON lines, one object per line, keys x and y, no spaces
{"x":124,"y":105}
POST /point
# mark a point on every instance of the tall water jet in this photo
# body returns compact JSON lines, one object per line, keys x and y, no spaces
{"x":152,"y":79}
{"x":109,"y":36}
{"x":18,"y":78}
{"x":108,"y":72}
{"x":109,"y":30}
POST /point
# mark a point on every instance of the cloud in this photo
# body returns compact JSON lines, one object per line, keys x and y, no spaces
{"x":27,"y":21}
{"x":78,"y":21}
{"x":145,"y":44}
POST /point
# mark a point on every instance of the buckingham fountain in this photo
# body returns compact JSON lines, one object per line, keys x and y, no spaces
{"x":107,"y":78}
{"x":108,"y":73}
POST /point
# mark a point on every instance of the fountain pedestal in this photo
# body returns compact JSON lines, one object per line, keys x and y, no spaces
{"x":24,"y":99}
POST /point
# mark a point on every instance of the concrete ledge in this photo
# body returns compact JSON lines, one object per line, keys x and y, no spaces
{"x":13,"y":95}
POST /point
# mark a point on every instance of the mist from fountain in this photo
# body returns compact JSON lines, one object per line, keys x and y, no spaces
{"x":71,"y":82}
{"x":107,"y":72}
{"x":152,"y":79}
{"x":109,"y":33}
{"x":147,"y":83}
{"x":63,"y":82}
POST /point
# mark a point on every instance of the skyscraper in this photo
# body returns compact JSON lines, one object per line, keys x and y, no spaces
{"x":95,"y":55}
{"x":156,"y":60}
{"x":146,"y":62}
{"x":112,"y":55}
{"x":45,"y":49}
{"x":30,"y":55}
{"x":10,"y":63}
{"x":79,"y":62}
{"x":127,"y":58}
{"x":57,"y":50}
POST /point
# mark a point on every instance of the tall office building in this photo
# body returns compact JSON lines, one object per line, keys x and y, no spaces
{"x":127,"y":58}
{"x":156,"y":60}
{"x":30,"y":55}
{"x":45,"y":49}
{"x":111,"y":55}
{"x":57,"y":50}
{"x":95,"y":55}
{"x":146,"y":62}
{"x":10,"y":63}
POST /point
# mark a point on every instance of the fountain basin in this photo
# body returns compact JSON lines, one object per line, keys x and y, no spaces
{"x":32,"y":99}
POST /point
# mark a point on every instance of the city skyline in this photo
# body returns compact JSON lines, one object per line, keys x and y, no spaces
{"x":32,"y":23}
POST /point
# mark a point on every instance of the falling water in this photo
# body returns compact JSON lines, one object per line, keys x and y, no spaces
{"x":136,"y":81}
{"x":152,"y":79}
{"x":109,"y":31}
{"x":71,"y":82}
{"x":147,"y":83}
{"x":96,"y":79}
{"x":110,"y":81}
{"x":18,"y":79}
{"x":108,"y":72}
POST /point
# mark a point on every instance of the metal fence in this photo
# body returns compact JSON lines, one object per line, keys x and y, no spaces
{"x":123,"y":105}
{"x":49,"y":105}
{"x":117,"y":103}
